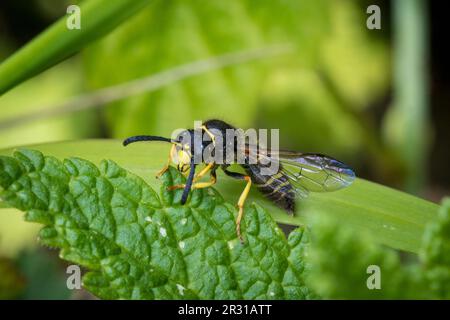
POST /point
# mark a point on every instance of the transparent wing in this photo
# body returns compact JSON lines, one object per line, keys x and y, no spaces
{"x":315,"y":172}
{"x":306,"y":171}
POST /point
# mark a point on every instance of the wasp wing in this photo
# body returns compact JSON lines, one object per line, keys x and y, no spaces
{"x":315,"y":172}
{"x":306,"y":171}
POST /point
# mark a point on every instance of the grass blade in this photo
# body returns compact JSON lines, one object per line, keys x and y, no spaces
{"x":57,"y":43}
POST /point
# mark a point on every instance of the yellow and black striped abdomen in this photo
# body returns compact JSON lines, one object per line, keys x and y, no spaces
{"x":276,"y":188}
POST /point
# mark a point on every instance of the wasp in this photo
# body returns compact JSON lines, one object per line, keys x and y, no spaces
{"x":296,"y":175}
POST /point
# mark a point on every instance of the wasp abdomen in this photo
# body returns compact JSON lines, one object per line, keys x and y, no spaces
{"x":276,"y":188}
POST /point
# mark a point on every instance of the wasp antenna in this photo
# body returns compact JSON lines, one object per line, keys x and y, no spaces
{"x":145,"y":138}
{"x":189,"y":181}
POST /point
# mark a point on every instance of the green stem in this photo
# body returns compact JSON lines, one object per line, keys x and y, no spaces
{"x":411,"y":86}
{"x":98,"y":17}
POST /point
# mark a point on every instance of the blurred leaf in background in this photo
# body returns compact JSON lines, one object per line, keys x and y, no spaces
{"x":339,"y":260}
{"x":44,"y":273}
{"x":15,"y":233}
{"x":47,"y":88}
{"x":436,"y":252}
{"x":356,"y":59}
{"x":12,"y":282}
{"x":170,"y":33}
{"x":318,"y":108}
{"x":308,"y":114}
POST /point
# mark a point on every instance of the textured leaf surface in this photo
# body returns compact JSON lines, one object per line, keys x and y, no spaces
{"x":141,"y":245}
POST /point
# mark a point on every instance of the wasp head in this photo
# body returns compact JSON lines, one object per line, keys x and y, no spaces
{"x":186,"y":147}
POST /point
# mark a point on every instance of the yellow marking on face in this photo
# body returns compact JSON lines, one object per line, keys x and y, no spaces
{"x":182,"y":159}
{"x":173,"y":154}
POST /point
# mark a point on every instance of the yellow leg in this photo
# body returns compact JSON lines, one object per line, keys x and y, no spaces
{"x":240,"y":205}
{"x":197,"y":177}
{"x":201,"y":185}
{"x":163,"y":170}
{"x":204,"y":171}
{"x":198,"y":185}
{"x":213,"y":138}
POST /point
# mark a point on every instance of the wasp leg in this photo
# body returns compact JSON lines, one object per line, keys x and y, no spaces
{"x":242,"y":199}
{"x":211,"y":182}
{"x":240,"y":205}
{"x":213,"y":138}
{"x":166,"y":167}
{"x":204,"y":171}
{"x":198,"y":185}
{"x":197,"y":177}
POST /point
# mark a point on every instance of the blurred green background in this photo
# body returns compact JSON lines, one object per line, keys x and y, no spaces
{"x":376,"y":99}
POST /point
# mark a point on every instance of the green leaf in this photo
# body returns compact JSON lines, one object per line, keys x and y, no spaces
{"x":121,"y":91}
{"x":435,"y":252}
{"x":341,"y":263}
{"x":138,"y":245}
{"x":167,"y":34}
{"x":351,"y":73}
{"x":342,"y":266}
{"x":57,"y":43}
{"x":31,"y":97}
{"x":393,"y":218}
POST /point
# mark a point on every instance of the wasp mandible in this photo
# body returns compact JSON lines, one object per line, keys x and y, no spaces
{"x":297,"y":173}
